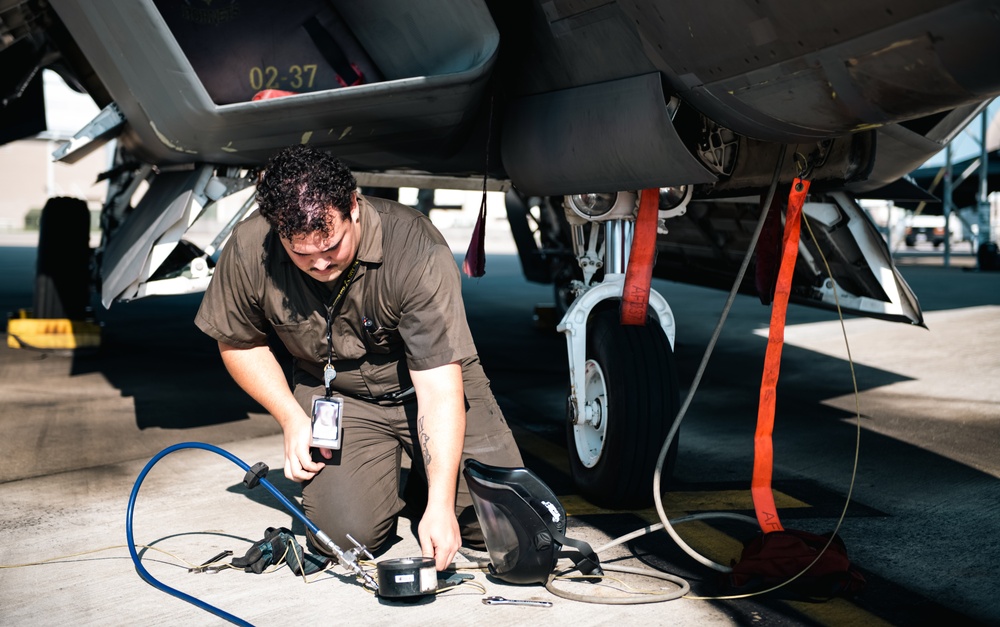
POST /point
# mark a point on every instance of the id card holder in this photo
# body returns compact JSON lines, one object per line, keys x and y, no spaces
{"x":326,"y":421}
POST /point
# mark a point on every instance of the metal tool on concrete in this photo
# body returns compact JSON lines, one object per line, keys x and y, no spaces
{"x":495,"y":600}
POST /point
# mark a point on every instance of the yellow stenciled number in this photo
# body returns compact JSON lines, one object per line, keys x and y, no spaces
{"x":271,"y":73}
{"x":311,"y":70}
{"x":264,"y":78}
{"x":256,"y":78}
{"x":302,"y":76}
{"x":296,"y":80}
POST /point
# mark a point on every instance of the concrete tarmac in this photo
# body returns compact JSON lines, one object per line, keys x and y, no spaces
{"x":921,"y":524}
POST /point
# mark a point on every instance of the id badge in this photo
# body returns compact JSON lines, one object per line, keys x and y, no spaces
{"x":326,"y":413}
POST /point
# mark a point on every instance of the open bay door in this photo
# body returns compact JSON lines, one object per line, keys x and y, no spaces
{"x":149,"y":255}
{"x":866,"y":280}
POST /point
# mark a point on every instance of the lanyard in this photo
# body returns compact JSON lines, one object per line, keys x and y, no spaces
{"x":329,"y":372}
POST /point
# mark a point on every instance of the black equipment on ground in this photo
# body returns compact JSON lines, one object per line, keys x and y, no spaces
{"x":524,"y":525}
{"x":407,"y":577}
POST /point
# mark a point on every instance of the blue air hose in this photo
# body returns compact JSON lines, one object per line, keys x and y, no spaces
{"x":289,"y":505}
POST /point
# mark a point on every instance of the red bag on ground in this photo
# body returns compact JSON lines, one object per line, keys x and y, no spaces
{"x":772,"y":558}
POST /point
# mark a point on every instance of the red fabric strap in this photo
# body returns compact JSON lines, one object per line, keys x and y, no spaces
{"x":763,"y":462}
{"x":639,"y":274}
{"x":474,"y":264}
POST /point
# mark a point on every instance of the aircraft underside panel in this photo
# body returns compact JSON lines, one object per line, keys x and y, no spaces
{"x":784,"y":71}
{"x":602,"y":138}
{"x":421,"y":79}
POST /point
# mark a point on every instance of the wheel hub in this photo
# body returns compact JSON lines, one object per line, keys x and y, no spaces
{"x":590,"y":429}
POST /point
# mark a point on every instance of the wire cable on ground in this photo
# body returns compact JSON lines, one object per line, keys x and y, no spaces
{"x":62,"y":558}
{"x":682,"y":587}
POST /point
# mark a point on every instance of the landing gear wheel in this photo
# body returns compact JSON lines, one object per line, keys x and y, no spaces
{"x":588,"y":434}
{"x":62,"y":273}
{"x":631,"y":399}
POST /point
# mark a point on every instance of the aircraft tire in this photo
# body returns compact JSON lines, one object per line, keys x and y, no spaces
{"x":62,"y":270}
{"x":635,"y":367}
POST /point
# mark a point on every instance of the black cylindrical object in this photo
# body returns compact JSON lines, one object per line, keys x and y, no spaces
{"x":407,"y":577}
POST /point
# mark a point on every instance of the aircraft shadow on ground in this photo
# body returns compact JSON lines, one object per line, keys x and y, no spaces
{"x":152,"y":352}
{"x":940,"y":288}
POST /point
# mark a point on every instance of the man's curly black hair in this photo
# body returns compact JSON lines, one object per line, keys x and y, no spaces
{"x":298,"y":188}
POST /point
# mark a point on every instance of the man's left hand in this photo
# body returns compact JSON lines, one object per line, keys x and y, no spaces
{"x":439,"y":536}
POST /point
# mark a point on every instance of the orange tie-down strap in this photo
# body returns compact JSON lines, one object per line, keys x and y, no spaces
{"x":639,"y":274}
{"x":763,"y":460}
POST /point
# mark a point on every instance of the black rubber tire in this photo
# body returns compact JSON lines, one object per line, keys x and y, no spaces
{"x":643,"y":399}
{"x":62,"y":270}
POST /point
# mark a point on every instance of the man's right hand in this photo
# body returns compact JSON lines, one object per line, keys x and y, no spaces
{"x":257,"y":371}
{"x":299,"y":465}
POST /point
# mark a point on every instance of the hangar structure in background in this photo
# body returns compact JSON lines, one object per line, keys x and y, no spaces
{"x":964,"y":186}
{"x":572,"y":107}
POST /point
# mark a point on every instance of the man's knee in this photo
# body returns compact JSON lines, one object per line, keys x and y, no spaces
{"x":369,"y":530}
{"x":361,"y":514}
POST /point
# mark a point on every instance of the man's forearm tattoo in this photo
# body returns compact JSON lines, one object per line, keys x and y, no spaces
{"x":425,"y":441}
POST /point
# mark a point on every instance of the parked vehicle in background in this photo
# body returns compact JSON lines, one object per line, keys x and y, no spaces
{"x":924,"y":228}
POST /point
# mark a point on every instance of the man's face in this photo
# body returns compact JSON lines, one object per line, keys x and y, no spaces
{"x":325,"y":258}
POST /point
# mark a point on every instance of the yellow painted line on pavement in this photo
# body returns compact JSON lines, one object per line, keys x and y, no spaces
{"x":715,"y":500}
{"x":837,"y":612}
{"x":680,"y":503}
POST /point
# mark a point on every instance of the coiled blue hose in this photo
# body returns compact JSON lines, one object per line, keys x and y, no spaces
{"x":148,"y":578}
